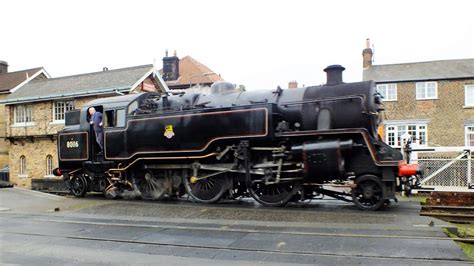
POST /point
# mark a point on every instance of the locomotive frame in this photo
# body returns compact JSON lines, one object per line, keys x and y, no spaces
{"x":275,"y":146}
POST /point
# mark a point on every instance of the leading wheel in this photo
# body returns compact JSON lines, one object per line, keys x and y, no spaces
{"x":369,"y":194}
{"x":206,"y":190}
{"x":78,"y":185}
{"x":273,"y":195}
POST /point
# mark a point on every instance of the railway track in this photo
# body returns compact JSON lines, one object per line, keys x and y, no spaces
{"x":456,"y":207}
{"x":455,"y":214}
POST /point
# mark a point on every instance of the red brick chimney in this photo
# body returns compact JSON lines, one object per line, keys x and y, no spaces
{"x":367,"y":55}
{"x":292,"y":84}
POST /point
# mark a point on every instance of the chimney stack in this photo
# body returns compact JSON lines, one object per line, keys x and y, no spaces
{"x":3,"y":67}
{"x":170,"y":67}
{"x":367,"y":55}
{"x":334,"y":74}
{"x":292,"y":84}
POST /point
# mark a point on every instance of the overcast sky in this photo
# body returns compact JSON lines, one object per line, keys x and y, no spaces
{"x":260,"y":44}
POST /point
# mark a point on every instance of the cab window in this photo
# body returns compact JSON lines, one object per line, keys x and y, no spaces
{"x":114,"y":118}
{"x":109,"y":118}
{"x":132,"y":107}
{"x":120,"y":118}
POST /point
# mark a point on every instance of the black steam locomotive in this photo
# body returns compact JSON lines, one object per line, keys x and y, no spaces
{"x":275,"y":146}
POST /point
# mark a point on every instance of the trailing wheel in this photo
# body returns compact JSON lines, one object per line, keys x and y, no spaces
{"x":78,"y":185}
{"x":369,"y":194}
{"x":206,"y":189}
{"x":273,"y":195}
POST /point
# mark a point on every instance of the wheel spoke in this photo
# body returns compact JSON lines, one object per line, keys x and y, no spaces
{"x":272,"y":194}
{"x":207,"y":190}
{"x":369,"y":194}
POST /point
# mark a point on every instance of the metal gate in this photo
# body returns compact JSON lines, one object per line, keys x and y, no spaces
{"x":444,"y":173}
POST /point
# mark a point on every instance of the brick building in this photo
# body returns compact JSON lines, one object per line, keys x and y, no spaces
{"x":432,"y":101}
{"x":35,"y":113}
{"x":11,"y":82}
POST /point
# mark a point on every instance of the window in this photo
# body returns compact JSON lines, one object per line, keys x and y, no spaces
{"x":22,"y":165}
{"x":394,"y":134}
{"x":426,"y":90}
{"x":469,"y":95}
{"x":388,"y":91}
{"x":469,"y":136}
{"x":23,"y":114}
{"x":60,"y":108}
{"x":49,"y":165}
{"x":121,"y":117}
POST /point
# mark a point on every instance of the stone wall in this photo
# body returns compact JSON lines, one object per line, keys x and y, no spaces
{"x":3,"y":142}
{"x":35,"y":149}
{"x":446,"y":114}
{"x":35,"y":153}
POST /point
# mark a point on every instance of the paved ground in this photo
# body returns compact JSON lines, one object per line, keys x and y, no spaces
{"x":98,"y":231}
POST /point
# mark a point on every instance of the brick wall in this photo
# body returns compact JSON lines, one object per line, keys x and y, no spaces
{"x":446,"y":114}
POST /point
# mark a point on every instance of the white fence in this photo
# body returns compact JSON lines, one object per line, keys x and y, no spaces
{"x":445,"y":173}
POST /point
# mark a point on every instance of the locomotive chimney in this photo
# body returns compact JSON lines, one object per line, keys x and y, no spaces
{"x":3,"y":67}
{"x":334,"y":74}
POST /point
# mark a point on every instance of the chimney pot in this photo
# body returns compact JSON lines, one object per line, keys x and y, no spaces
{"x":166,"y":53}
{"x":292,"y":84}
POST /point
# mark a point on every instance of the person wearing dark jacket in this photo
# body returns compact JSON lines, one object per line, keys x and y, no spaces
{"x":96,"y":122}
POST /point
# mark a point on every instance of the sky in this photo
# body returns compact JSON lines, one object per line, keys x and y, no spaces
{"x":260,"y":44}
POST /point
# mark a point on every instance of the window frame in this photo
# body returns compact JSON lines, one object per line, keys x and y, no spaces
{"x":67,"y":105}
{"x":466,"y":133}
{"x":386,"y":88}
{"x":394,"y":133}
{"x":49,"y":165}
{"x":425,"y":90}
{"x":23,"y":170}
{"x":466,"y":87}
{"x":24,"y":117}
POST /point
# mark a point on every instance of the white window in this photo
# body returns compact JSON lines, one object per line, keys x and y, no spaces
{"x":23,"y":114}
{"x":22,"y":165}
{"x":426,"y":90}
{"x":469,"y":135}
{"x":388,"y":91}
{"x":60,"y":108}
{"x":394,"y":134}
{"x":49,"y":165}
{"x":469,"y":95}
